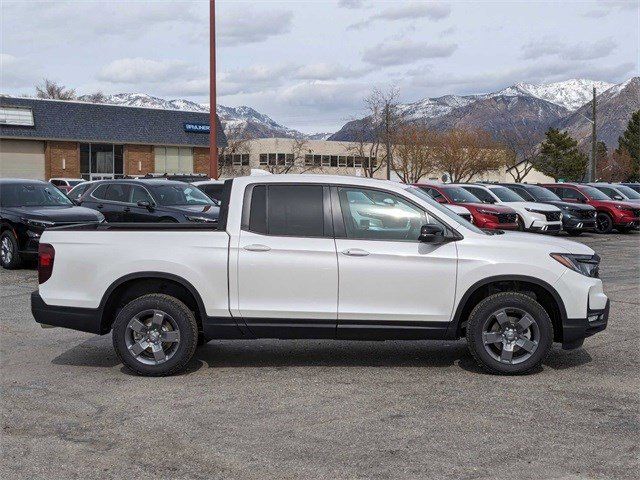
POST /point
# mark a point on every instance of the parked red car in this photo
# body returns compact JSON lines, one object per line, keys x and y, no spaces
{"x":484,"y":215}
{"x":622,"y":216}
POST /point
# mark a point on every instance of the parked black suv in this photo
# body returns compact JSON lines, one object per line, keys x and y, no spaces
{"x":576,"y":218}
{"x":27,"y":207}
{"x":153,"y":200}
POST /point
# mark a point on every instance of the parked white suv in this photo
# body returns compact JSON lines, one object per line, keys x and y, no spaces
{"x":305,"y":256}
{"x":532,"y":216}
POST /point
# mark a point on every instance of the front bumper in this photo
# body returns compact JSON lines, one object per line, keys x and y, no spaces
{"x":545,"y":227}
{"x":575,"y":330}
{"x":83,"y":319}
{"x":577,"y":223}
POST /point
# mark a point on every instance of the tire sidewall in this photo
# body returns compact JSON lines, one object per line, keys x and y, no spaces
{"x":185,"y":322}
{"x":609,"y":220}
{"x":508,"y":300}
{"x":15,"y":257}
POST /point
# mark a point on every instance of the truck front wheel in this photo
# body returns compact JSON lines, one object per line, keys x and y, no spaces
{"x":509,"y":333}
{"x":155,"y":335}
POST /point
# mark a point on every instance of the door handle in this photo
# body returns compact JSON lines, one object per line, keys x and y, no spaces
{"x":255,"y":247}
{"x":355,"y":252}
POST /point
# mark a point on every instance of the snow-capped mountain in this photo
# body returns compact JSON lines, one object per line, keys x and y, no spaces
{"x":238,"y":121}
{"x":528,"y":108}
{"x":570,"y":94}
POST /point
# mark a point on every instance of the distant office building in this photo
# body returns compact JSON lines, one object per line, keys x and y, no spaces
{"x":42,"y":139}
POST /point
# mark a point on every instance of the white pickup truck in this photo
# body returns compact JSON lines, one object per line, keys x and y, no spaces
{"x":308,"y":256}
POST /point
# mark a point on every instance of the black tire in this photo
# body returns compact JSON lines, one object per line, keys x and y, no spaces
{"x":177,"y":353}
{"x":623,"y":229}
{"x":521,"y":227}
{"x":9,"y":255}
{"x":489,"y":354}
{"x":604,"y":223}
{"x":575,"y":233}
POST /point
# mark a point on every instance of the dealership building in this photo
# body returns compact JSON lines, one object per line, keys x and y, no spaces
{"x":42,"y":139}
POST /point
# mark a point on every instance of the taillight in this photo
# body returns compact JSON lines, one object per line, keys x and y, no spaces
{"x":46,"y":255}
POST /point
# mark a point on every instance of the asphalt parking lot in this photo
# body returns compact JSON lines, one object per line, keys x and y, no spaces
{"x":322,"y":409}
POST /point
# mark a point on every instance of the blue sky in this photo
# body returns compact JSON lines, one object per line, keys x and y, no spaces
{"x":308,"y":64}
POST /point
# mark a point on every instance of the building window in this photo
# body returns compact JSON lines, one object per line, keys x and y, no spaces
{"x":342,"y":161}
{"x":277,"y":159}
{"x":264,"y":159}
{"x":101,"y":160}
{"x":19,"y":116}
{"x":235,"y":159}
{"x":308,"y":160}
{"x":326,"y":160}
{"x":173,"y":160}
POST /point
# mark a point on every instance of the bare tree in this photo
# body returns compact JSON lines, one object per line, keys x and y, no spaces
{"x":52,"y":90}
{"x":293,"y":158}
{"x":238,"y":143}
{"x":414,"y":155}
{"x":463,"y":154}
{"x":521,"y":151}
{"x":366,"y":144}
{"x":385,"y":118}
{"x":617,"y":166}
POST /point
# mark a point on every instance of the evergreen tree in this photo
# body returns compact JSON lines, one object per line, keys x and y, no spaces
{"x":560,"y":158}
{"x":630,"y":142}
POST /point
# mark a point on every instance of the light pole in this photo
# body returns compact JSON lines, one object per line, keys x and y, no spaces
{"x":213,"y":130}
{"x":594,"y":139}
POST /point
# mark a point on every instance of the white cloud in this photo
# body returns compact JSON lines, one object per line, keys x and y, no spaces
{"x":410,"y":11}
{"x":353,"y":4}
{"x":402,"y":52}
{"x":17,"y":72}
{"x":328,"y":71}
{"x":244,"y":27}
{"x":145,"y":70}
{"x":323,"y":95}
{"x":579,"y":51}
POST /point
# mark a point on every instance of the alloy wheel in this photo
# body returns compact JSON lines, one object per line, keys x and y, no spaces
{"x":6,"y":251}
{"x":152,"y":337}
{"x":603,"y":223}
{"x":510,"y":335}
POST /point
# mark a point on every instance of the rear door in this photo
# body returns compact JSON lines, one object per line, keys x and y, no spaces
{"x":391,"y":284}
{"x":287,"y":265}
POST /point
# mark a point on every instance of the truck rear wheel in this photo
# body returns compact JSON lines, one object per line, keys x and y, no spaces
{"x":509,"y":333}
{"x":155,"y":335}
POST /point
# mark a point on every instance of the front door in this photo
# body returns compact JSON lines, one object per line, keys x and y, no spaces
{"x":287,"y":266}
{"x":391,"y":284}
{"x":138,"y":213}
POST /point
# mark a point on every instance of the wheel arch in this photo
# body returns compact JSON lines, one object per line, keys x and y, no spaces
{"x":133,"y":285}
{"x":542,"y":291}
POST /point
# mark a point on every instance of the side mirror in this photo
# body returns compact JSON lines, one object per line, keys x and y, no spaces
{"x":431,"y":234}
{"x":618,"y":197}
{"x":145,"y":204}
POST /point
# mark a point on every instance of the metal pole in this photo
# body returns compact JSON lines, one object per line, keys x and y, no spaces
{"x":388,"y":141}
{"x":213,"y":130}
{"x":594,"y":139}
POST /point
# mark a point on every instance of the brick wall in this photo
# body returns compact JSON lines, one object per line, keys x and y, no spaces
{"x":142,"y":154}
{"x":55,"y":153}
{"x":201,"y":160}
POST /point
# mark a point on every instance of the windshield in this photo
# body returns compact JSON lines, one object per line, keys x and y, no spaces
{"x":506,"y":195}
{"x":173,"y":195}
{"x":629,"y":192}
{"x":594,"y":193}
{"x":460,"y":195}
{"x":418,"y":192}
{"x":542,"y":194}
{"x":31,"y":195}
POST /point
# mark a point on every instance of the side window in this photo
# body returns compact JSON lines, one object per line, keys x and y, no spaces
{"x":436,"y":195}
{"x":572,"y":194}
{"x":118,"y":192}
{"x":287,"y":210}
{"x":139,"y":194}
{"x":377,"y":215}
{"x":100,"y":191}
{"x":523,"y":193}
{"x":481,"y":194}
{"x":57,"y":183}
{"x":610,"y":192}
{"x":213,"y":191}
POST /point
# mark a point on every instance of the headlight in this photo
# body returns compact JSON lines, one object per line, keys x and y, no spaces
{"x":584,"y":264}
{"x":198,"y":219}
{"x":38,"y":223}
{"x":622,"y":207}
